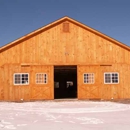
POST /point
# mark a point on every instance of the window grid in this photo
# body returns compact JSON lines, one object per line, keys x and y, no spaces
{"x":88,"y":78}
{"x":21,"y":79}
{"x":41,"y":78}
{"x":111,"y":78}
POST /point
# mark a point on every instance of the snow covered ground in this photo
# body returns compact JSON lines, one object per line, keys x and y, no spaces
{"x":65,"y":115}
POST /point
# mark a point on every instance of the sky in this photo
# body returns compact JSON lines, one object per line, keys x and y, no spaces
{"x":20,"y":17}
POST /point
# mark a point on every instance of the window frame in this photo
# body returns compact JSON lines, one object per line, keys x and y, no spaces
{"x":20,"y":79}
{"x":111,"y":77}
{"x":93,"y":78}
{"x":43,"y":77}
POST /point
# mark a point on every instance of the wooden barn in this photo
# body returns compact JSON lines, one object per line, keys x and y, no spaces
{"x":64,"y":59}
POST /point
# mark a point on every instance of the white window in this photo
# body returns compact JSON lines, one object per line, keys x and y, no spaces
{"x":111,"y":78}
{"x":89,"y":78}
{"x":21,"y":79}
{"x":41,"y":78}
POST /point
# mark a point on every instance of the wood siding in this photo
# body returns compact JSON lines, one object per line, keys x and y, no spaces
{"x":99,"y":90}
{"x":1,"y":86}
{"x":89,"y":91}
{"x":54,"y":46}
{"x":42,"y":91}
{"x":33,"y":91}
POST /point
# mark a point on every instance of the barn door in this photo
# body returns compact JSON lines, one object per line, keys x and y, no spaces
{"x":41,"y":82}
{"x":88,"y":82}
{"x":20,"y":83}
{"x":65,"y":79}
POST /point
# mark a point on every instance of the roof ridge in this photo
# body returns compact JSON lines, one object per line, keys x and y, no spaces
{"x":58,"y":21}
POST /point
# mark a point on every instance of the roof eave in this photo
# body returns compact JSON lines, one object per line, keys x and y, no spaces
{"x":71,"y":20}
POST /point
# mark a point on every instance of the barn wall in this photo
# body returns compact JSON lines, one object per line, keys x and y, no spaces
{"x":33,"y":91}
{"x":42,"y":91}
{"x":1,"y":86}
{"x":53,"y":46}
{"x":99,"y":90}
{"x":89,"y":91}
{"x":121,"y":90}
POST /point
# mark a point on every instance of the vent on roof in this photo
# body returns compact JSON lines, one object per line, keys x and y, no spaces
{"x":65,"y":27}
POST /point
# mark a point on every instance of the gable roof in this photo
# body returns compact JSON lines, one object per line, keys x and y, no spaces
{"x":59,"y":21}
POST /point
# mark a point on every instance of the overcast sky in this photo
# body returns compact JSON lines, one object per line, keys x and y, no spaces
{"x":20,"y":17}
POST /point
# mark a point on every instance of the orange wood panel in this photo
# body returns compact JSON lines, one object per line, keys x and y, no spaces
{"x":54,"y":46}
{"x":1,"y":83}
{"x":42,"y":91}
{"x":101,"y":90}
{"x":120,"y":90}
{"x":51,"y":46}
{"x":89,"y":91}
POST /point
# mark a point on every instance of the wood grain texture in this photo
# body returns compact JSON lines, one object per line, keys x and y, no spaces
{"x":11,"y":92}
{"x":1,"y":84}
{"x":81,"y":46}
{"x":100,"y":90}
{"x":55,"y":47}
{"x":89,"y":91}
{"x":41,"y":91}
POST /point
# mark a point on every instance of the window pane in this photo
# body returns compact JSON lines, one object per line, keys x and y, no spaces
{"x":111,"y":78}
{"x":17,"y":79}
{"x":107,"y":78}
{"x":41,"y":78}
{"x":20,"y":79}
{"x":89,"y":78}
{"x":45,"y":81}
{"x":24,"y":78}
{"x":114,"y":78}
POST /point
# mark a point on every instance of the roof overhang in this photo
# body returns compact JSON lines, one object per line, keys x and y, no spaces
{"x":59,"y":21}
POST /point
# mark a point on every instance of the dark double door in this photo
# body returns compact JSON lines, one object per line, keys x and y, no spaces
{"x":65,"y":82}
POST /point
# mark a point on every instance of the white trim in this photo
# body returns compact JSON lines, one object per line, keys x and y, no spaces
{"x":110,"y":74}
{"x":93,"y":78}
{"x":43,"y":77}
{"x":20,"y":79}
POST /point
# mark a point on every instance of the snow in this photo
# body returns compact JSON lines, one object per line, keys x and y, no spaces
{"x":62,"y":115}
